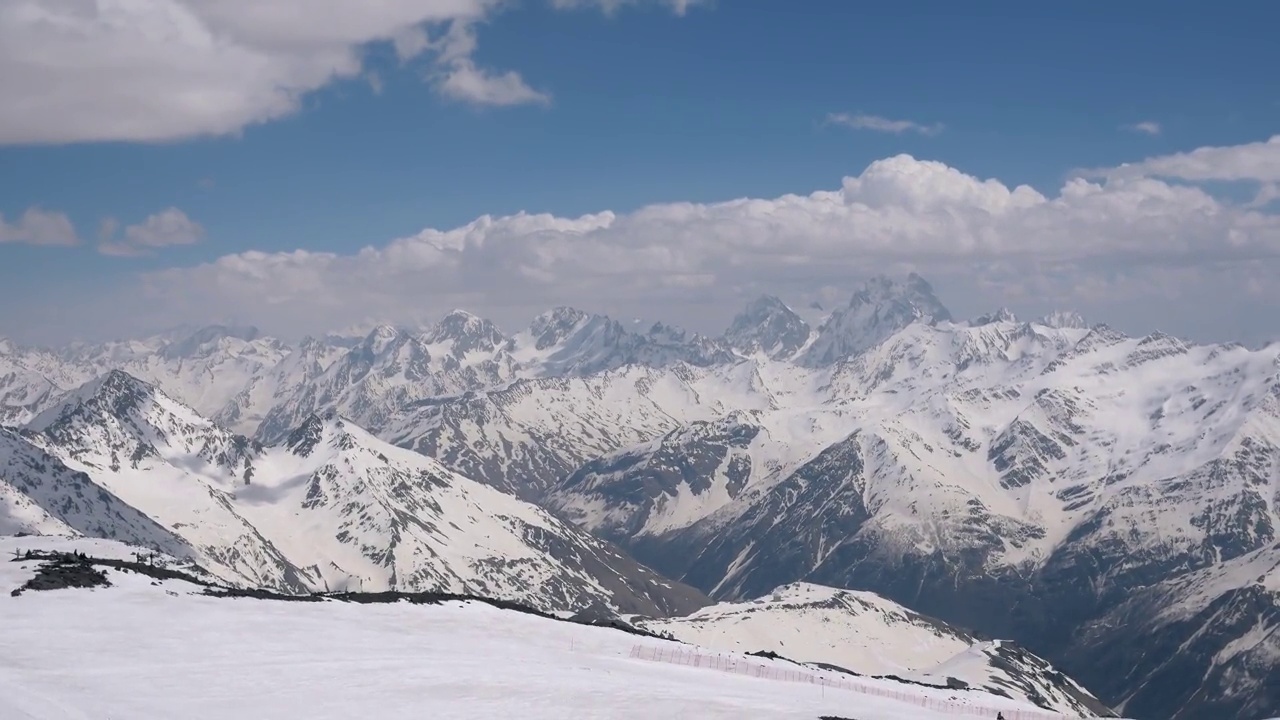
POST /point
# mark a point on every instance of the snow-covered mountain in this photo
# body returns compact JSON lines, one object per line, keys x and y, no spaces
{"x":867,"y":634}
{"x":331,"y":508}
{"x":769,"y":327}
{"x":881,"y":308}
{"x":1023,"y":479}
{"x":986,"y":466}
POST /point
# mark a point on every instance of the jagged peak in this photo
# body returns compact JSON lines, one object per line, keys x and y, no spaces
{"x":382,"y":331}
{"x":553,"y":326}
{"x":1004,"y":314}
{"x":913,"y":291}
{"x":460,"y":325}
{"x":111,"y":386}
{"x":380,"y":338}
{"x":882,"y":307}
{"x":1064,"y":319}
{"x":768,"y":325}
{"x":668,"y":334}
{"x":303,"y":439}
{"x":206,"y":336}
{"x":759,"y":310}
{"x":1162,"y":338}
{"x":115,"y":393}
{"x":561,"y":316}
{"x":766,"y":303}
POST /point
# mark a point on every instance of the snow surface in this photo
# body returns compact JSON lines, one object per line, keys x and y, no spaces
{"x":864,"y":633}
{"x":154,"y":650}
{"x":859,"y":631}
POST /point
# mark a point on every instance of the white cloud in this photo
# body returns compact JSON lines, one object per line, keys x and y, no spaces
{"x":39,"y":227}
{"x":1267,"y":194}
{"x":464,"y":81}
{"x":1147,"y":127}
{"x":1257,"y":162}
{"x":680,"y":7}
{"x":460,"y":79}
{"x":163,"y":229}
{"x":157,"y":70}
{"x":695,"y":262}
{"x":882,"y":124}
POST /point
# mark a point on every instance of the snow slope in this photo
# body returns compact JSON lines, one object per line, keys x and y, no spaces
{"x":39,"y":494}
{"x":870,"y":635}
{"x":144,"y":649}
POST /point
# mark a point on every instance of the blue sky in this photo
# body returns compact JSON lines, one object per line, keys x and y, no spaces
{"x":617,"y":109}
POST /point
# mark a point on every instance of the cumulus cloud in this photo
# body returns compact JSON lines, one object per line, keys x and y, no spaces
{"x":1147,"y":127}
{"x":163,"y":229}
{"x":157,"y":70}
{"x":882,"y":124}
{"x":39,"y":227}
{"x":1120,"y":240}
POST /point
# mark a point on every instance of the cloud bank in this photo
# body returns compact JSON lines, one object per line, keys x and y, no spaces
{"x":1126,"y":241}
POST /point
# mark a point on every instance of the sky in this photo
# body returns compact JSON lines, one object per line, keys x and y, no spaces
{"x":310,"y":165}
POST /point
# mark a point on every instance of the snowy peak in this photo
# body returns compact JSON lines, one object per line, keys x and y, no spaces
{"x":551,"y":328}
{"x":208,"y":340}
{"x":460,"y":333}
{"x":768,"y":326}
{"x":881,"y":308}
{"x":911,"y":297}
{"x":1003,"y":315}
{"x":566,"y":342}
{"x":379,"y":339}
{"x":119,"y":421}
{"x":304,"y":439}
{"x":1064,"y":320}
{"x":115,"y":393}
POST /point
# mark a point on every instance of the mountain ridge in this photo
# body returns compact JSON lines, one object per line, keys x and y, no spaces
{"x":963,"y":468}
{"x":331,"y":508}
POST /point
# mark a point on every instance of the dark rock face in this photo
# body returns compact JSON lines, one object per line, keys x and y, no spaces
{"x":823,"y":499}
{"x":1166,"y":654}
{"x":690,"y":457}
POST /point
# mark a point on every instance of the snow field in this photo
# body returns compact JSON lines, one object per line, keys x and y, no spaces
{"x":149,"y":650}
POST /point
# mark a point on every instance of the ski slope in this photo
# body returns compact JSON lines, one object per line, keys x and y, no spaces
{"x":155,"y":650}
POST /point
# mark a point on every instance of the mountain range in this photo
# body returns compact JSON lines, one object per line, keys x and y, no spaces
{"x":1076,"y":489}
